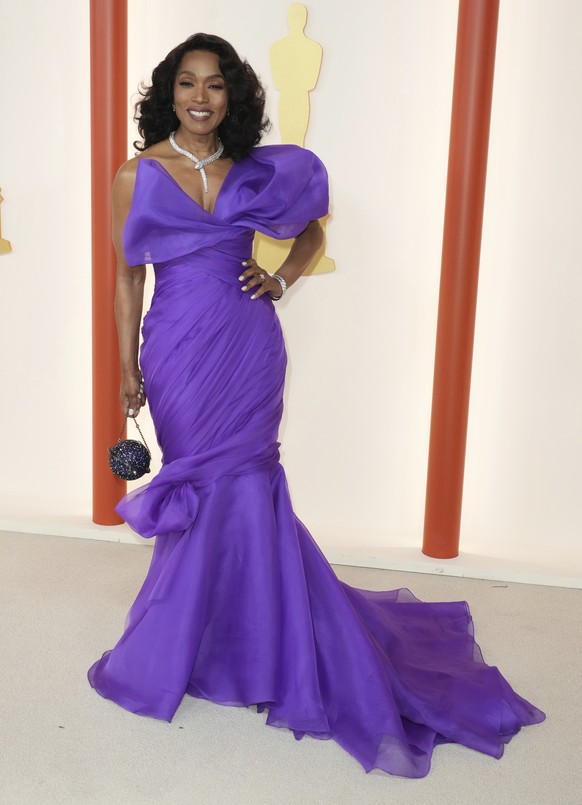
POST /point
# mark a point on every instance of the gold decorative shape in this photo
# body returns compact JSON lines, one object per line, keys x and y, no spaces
{"x":5,"y":246}
{"x":295,"y":65}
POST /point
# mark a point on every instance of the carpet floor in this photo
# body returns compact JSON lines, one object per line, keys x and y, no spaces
{"x":63,"y":602}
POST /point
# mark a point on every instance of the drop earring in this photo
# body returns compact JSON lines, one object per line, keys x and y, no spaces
{"x":173,"y":107}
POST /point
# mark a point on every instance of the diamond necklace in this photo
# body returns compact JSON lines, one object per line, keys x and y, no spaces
{"x":199,"y":164}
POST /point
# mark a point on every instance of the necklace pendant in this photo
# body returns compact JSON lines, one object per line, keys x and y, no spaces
{"x":199,"y":164}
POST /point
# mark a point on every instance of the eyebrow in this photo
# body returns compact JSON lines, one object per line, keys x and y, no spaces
{"x":189,"y":72}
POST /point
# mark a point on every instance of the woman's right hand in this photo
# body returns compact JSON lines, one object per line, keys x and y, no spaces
{"x":132,"y":394}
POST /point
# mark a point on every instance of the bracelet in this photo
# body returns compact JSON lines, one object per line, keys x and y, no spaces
{"x":283,"y":285}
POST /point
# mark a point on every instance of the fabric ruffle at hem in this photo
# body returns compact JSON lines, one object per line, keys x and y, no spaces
{"x":244,"y":609}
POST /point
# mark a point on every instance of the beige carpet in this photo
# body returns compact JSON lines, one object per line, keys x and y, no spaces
{"x":63,"y":602}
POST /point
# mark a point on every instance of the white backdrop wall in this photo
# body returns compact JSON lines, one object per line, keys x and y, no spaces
{"x":361,"y":340}
{"x":45,"y":293}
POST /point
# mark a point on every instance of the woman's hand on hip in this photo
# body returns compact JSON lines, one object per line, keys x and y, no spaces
{"x":258,"y":281}
{"x":132,"y":394}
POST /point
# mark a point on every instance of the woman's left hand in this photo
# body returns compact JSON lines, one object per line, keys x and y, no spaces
{"x":257,"y":280}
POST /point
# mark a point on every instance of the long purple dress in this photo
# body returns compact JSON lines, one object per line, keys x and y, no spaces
{"x":239,"y":605}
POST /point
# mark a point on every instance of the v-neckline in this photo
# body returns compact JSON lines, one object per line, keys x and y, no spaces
{"x":185,"y":193}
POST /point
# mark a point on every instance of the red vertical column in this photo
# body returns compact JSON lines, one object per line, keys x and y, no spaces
{"x":469,"y":141}
{"x":108,"y":151}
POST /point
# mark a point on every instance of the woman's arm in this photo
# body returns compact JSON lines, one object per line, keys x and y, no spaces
{"x":302,"y":252}
{"x":128,"y":295}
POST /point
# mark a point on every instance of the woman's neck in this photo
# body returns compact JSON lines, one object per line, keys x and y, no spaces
{"x":202,"y":145}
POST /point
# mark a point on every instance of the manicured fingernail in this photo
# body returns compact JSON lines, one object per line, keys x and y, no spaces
{"x":242,"y":276}
{"x":254,"y":296}
{"x":244,"y":288}
{"x":244,"y":263}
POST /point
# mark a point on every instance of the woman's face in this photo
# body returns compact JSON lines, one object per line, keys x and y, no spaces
{"x":200,"y":93}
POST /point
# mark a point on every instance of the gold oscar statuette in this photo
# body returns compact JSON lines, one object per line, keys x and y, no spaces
{"x":295,"y":65}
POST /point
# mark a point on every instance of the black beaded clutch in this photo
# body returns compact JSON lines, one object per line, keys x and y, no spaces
{"x":130,"y":459}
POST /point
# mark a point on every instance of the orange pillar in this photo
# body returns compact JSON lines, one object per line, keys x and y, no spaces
{"x":469,"y":140}
{"x":108,"y":151}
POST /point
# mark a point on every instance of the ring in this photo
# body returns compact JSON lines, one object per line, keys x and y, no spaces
{"x":262,"y":277}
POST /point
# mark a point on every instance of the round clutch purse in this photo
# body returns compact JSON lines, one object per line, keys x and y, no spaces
{"x":130,"y":459}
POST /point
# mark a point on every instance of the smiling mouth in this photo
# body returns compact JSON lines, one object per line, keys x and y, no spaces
{"x":199,"y":115}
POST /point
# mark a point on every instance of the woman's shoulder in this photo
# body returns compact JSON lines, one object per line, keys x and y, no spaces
{"x":127,"y":173}
{"x":129,"y":169}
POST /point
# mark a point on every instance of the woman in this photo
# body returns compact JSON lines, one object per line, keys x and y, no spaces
{"x":239,"y":605}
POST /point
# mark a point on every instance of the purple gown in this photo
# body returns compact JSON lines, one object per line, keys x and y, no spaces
{"x":239,"y":605}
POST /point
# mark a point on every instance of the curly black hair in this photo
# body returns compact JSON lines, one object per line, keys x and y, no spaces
{"x":239,"y":131}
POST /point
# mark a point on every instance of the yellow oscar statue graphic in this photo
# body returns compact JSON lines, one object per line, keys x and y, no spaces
{"x":295,"y":65}
{"x":5,"y":246}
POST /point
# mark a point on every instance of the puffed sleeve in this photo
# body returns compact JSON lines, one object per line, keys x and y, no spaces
{"x":286,"y":189}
